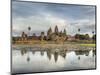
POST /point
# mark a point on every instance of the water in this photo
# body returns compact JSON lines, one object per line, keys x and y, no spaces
{"x":24,"y":61}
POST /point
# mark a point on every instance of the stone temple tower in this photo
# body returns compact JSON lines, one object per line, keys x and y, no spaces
{"x":49,"y":32}
{"x":56,"y":30}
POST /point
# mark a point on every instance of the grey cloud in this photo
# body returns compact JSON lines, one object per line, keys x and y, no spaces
{"x":41,"y":16}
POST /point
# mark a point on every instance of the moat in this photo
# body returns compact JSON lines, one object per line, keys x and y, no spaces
{"x":30,"y":59}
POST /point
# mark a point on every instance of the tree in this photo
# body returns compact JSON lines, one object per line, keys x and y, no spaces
{"x":87,"y":37}
{"x":94,"y":37}
{"x":13,"y":40}
{"x":79,"y":30}
{"x":77,"y":36}
{"x":92,"y":32}
{"x":29,"y":28}
{"x":82,"y":37}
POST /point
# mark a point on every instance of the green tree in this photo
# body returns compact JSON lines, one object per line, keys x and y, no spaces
{"x":87,"y":37}
{"x":13,"y":40}
{"x":78,"y":29}
{"x":78,"y":32}
{"x":77,"y":36}
{"x":94,"y":37}
{"x":29,"y":29}
{"x":93,"y":32}
{"x":81,"y":37}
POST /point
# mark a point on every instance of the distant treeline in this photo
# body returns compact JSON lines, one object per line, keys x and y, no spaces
{"x":85,"y":37}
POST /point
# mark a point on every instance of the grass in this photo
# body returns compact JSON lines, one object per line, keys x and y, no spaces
{"x":89,"y":45}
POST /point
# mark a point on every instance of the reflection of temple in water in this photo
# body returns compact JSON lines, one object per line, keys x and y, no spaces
{"x":56,"y":56}
{"x":78,"y":57}
{"x":86,"y":52}
{"x":93,"y":53}
{"x":23,"y":51}
{"x":55,"y":53}
{"x":49,"y":54}
{"x":63,"y":53}
{"x":42,"y":53}
{"x":33,"y":52}
{"x":28,"y":59}
{"x":80,"y":52}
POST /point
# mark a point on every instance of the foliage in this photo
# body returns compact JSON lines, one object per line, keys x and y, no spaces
{"x":89,"y":45}
{"x":82,"y":36}
{"x":94,"y":37}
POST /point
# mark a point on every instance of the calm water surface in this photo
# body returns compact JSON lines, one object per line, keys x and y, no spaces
{"x":24,"y":60}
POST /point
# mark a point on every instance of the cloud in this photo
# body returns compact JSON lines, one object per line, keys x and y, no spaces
{"x":41,"y":16}
{"x":38,"y":23}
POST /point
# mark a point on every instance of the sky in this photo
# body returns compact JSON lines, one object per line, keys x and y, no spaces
{"x":41,"y":16}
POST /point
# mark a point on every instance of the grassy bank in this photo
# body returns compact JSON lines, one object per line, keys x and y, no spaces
{"x":53,"y":46}
{"x":88,"y":45}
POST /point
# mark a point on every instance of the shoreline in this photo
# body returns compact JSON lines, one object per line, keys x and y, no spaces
{"x":66,"y":47}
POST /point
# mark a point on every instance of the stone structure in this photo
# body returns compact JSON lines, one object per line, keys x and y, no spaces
{"x":51,"y":36}
{"x":42,"y":36}
{"x":24,"y":36}
{"x":56,"y":35}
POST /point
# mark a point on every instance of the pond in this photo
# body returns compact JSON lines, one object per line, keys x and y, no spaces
{"x":25,"y":61}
